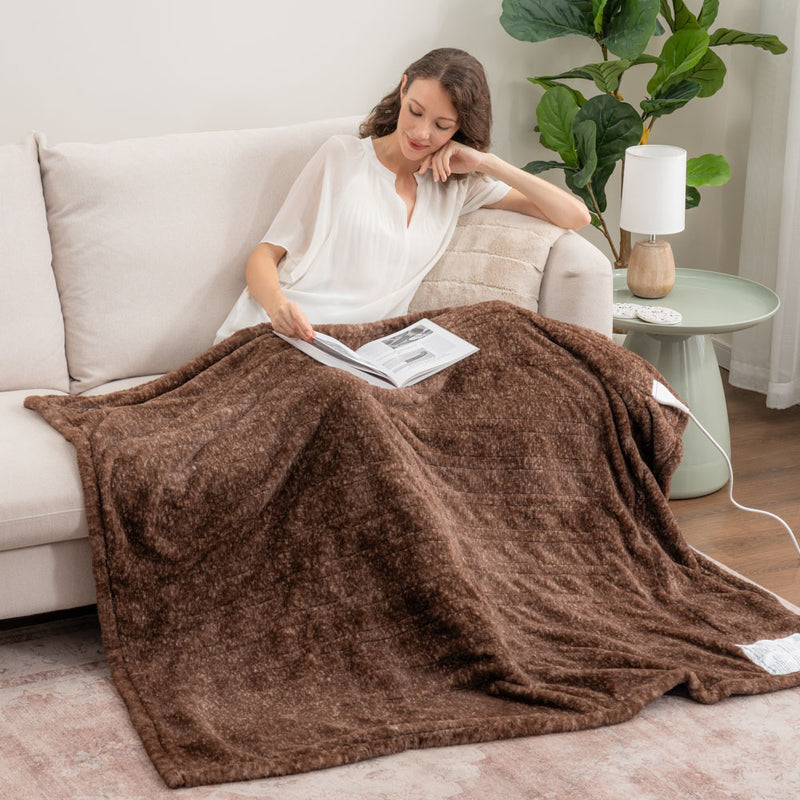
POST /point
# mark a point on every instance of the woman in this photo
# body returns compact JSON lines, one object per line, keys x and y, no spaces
{"x":368,"y":217}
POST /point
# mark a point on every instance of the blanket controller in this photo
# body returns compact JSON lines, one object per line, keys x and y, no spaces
{"x":665,"y":397}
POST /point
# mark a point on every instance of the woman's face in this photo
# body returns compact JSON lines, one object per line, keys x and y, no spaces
{"x":427,"y":118}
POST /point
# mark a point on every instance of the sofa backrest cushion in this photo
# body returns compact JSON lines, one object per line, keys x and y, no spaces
{"x":150,"y":238}
{"x":493,"y":255}
{"x":31,"y":326}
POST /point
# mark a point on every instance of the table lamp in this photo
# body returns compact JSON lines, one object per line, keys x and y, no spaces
{"x":653,"y":202}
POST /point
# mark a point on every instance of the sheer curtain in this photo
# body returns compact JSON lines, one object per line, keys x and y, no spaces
{"x":766,"y":358}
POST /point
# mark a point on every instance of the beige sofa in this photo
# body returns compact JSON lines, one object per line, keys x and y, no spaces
{"x":119,"y":261}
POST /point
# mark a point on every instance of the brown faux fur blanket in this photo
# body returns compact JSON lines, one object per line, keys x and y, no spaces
{"x":296,"y":569}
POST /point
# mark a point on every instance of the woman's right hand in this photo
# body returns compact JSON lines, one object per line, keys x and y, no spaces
{"x":290,"y":320}
{"x":262,"y":282}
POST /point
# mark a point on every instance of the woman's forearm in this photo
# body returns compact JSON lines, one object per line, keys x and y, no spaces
{"x":263,"y":284}
{"x":262,"y":277}
{"x":531,"y":195}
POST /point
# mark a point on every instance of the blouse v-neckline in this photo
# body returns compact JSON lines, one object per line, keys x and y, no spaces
{"x":409,"y":216}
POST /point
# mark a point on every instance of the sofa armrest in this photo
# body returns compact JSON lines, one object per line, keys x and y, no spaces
{"x":502,"y":255}
{"x":577,"y":284}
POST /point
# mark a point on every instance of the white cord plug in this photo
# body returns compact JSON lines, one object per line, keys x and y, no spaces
{"x":665,"y":397}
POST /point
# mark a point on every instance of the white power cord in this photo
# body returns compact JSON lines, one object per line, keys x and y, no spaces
{"x":666,"y":398}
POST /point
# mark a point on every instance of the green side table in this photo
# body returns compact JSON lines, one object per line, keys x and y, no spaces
{"x":710,"y":302}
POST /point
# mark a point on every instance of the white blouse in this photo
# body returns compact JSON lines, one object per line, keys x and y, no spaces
{"x":352,"y":255}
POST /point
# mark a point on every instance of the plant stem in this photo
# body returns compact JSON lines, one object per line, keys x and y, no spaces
{"x":625,"y":236}
{"x":602,"y":222}
{"x":624,"y":248}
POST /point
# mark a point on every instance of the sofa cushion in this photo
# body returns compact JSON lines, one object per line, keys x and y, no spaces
{"x":493,"y":255}
{"x":31,"y":326}
{"x":150,"y":238}
{"x":120,"y":385}
{"x":41,"y":497}
{"x":46,"y":578}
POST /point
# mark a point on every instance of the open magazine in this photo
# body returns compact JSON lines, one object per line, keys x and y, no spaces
{"x":399,"y":359}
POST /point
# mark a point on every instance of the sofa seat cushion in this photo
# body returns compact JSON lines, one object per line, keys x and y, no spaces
{"x":31,"y":325}
{"x":120,"y":385}
{"x":41,"y":497}
{"x":150,"y":238}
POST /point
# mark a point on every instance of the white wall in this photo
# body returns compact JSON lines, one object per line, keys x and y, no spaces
{"x":96,"y":70}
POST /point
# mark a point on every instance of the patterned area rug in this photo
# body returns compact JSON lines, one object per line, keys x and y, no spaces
{"x":65,"y":734}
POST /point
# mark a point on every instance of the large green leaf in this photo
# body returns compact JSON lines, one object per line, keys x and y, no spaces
{"x":538,"y":20}
{"x":675,"y":97}
{"x":554,"y":115}
{"x":597,"y":185}
{"x":666,"y":12}
{"x":683,"y":17}
{"x":537,"y":167}
{"x":598,"y":7}
{"x":585,"y":145}
{"x":605,"y":74}
{"x":645,"y":58}
{"x":618,"y":126}
{"x":680,"y":53}
{"x":581,"y":191}
{"x":764,"y":41}
{"x":708,"y":13}
{"x":709,"y":73}
{"x":630,"y":27}
{"x":549,"y":81}
{"x":707,"y":170}
{"x":578,"y":72}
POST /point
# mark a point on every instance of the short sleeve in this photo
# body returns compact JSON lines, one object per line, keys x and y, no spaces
{"x":305,"y":216}
{"x":482,"y":191}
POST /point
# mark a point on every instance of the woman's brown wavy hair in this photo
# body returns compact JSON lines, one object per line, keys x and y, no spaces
{"x":463,"y":78}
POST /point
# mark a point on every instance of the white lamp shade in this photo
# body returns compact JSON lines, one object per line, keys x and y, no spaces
{"x":654,"y":189}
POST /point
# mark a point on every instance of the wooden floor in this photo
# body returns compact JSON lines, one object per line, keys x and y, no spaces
{"x":765,"y":451}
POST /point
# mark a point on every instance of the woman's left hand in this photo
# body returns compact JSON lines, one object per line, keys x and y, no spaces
{"x":452,"y":157}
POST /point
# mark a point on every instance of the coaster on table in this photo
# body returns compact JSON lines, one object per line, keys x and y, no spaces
{"x":626,"y":310}
{"x":658,"y":315}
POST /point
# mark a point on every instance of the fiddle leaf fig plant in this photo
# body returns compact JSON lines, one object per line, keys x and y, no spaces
{"x":591,"y":134}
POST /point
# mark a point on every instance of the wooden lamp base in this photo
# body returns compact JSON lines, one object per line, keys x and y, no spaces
{"x":651,"y":269}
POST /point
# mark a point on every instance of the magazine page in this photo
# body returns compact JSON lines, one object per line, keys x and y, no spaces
{"x":398,"y":359}
{"x":333,"y":353}
{"x":414,"y":353}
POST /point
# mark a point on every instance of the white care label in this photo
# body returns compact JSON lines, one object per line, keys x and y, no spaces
{"x":776,"y":656}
